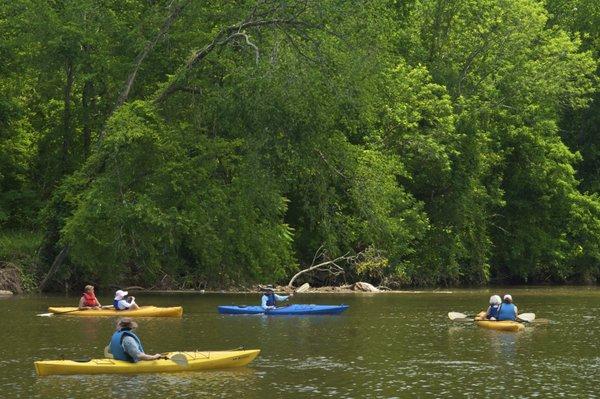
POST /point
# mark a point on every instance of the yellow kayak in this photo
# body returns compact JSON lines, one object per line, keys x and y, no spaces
{"x":195,"y":361}
{"x":505,"y":325}
{"x":143,"y":311}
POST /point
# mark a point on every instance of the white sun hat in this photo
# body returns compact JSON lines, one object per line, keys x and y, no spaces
{"x":120,"y":294}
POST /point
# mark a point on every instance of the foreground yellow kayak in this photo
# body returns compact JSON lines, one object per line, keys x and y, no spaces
{"x":506,"y":325}
{"x":195,"y":361}
{"x":143,"y":311}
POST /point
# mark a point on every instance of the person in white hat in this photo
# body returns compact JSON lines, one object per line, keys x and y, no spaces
{"x":269,"y":298}
{"x":507,"y":311}
{"x":492,"y":311}
{"x":122,"y":302}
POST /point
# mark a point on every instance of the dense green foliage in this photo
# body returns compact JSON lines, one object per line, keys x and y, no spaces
{"x":449,"y":141}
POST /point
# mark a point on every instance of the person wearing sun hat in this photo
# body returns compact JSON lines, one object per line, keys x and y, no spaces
{"x":270,"y":298}
{"x":492,"y":311}
{"x":122,"y":302}
{"x":507,"y":311}
{"x":126,"y":345}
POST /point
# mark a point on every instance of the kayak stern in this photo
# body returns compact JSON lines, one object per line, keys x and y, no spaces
{"x":506,"y":325}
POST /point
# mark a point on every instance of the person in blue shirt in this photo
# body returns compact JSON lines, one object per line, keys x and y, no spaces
{"x":126,"y":345}
{"x":507,"y":311}
{"x":270,"y":298}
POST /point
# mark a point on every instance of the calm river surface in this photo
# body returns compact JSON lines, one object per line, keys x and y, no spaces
{"x":384,"y":346}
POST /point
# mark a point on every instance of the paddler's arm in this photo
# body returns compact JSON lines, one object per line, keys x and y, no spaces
{"x":131,"y":348}
{"x":283,"y":297}
{"x":143,"y":356}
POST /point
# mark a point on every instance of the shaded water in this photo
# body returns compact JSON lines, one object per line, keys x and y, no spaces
{"x":384,"y":346}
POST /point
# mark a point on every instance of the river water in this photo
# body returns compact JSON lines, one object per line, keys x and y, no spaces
{"x":391,"y":345}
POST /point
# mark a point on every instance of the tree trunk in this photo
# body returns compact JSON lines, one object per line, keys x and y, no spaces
{"x":87,"y":104}
{"x":55,"y":265}
{"x":67,"y":136}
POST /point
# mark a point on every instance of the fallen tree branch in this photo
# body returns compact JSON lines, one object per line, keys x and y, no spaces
{"x":330,"y":266}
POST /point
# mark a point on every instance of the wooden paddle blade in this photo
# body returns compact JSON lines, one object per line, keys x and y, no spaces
{"x":526,"y":317}
{"x":179,"y":358}
{"x":45,"y":314}
{"x":107,"y":353}
{"x":304,"y":287}
{"x":456,"y":315}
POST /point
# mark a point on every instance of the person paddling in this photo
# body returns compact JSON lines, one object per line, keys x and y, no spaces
{"x":122,"y":302}
{"x":507,"y":310}
{"x":88,"y":299}
{"x":270,"y":298}
{"x":126,"y":345}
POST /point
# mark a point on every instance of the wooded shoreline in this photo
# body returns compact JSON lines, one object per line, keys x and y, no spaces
{"x":419,"y":143}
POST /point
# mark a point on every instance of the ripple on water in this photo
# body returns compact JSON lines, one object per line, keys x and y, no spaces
{"x":384,"y":347}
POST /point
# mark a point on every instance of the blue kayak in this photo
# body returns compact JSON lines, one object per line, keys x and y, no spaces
{"x":284,"y":310}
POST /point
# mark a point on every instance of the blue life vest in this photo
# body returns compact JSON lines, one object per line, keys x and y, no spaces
{"x":506,"y":312}
{"x":116,"y":304}
{"x":116,"y":345}
{"x":493,"y":311}
{"x":271,"y":300}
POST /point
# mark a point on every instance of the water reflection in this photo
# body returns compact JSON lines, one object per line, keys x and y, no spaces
{"x":204,"y":384}
{"x":502,"y":344}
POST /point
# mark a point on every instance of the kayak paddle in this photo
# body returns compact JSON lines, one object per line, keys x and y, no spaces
{"x":457,"y":316}
{"x":302,"y":288}
{"x":526,"y":317}
{"x":70,"y":311}
{"x":178,"y":358}
{"x":107,"y":353}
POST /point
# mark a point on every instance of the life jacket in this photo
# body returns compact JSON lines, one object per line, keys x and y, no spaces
{"x":89,"y":299}
{"x":506,"y":312}
{"x":271,"y":299}
{"x":116,"y":345}
{"x":116,"y":304}
{"x":493,"y":311}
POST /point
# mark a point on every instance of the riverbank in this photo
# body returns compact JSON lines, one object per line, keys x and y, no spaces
{"x":346,"y":289}
{"x":18,"y":254}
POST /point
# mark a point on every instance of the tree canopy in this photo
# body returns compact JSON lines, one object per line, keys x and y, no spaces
{"x":191,"y":144}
